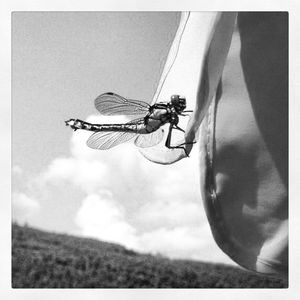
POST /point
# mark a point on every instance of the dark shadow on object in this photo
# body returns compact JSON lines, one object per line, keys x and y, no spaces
{"x":264,"y":58}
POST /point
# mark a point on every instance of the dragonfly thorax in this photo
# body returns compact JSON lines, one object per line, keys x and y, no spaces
{"x":178,"y":102}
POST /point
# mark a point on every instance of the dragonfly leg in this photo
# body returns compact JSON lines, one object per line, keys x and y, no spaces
{"x":177,"y":127}
{"x":189,"y":143}
{"x":185,"y":111}
{"x":168,"y":141}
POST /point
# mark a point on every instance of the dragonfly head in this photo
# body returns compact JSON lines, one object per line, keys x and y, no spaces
{"x":178,"y":102}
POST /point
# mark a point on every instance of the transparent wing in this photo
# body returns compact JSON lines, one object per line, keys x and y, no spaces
{"x":149,"y":140}
{"x":106,"y":140}
{"x":113,"y":104}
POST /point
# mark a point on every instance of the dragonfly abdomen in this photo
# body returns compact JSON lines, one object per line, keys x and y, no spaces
{"x":140,"y":128}
{"x":112,"y":127}
{"x":136,"y":126}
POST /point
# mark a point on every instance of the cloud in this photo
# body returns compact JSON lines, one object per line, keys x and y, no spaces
{"x":23,"y":207}
{"x":101,"y":217}
{"x":181,"y":241}
{"x":191,"y":242}
{"x":82,"y":173}
{"x":170,"y":213}
{"x":133,"y":202}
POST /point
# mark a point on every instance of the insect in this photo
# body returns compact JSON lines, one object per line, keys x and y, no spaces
{"x":145,"y":130}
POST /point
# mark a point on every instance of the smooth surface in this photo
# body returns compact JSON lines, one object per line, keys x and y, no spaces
{"x":193,"y":69}
{"x":244,"y":147}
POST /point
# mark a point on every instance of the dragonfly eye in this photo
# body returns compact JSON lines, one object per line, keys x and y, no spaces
{"x":178,"y":102}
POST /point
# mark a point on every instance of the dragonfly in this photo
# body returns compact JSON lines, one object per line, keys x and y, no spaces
{"x":146,"y":130}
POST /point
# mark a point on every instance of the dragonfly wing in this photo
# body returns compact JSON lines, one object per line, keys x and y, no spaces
{"x":149,"y":140}
{"x":106,"y":140}
{"x":113,"y":104}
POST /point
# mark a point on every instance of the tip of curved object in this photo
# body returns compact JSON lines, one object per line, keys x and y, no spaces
{"x":160,"y":154}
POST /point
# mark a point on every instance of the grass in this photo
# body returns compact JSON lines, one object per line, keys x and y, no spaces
{"x":48,"y":260}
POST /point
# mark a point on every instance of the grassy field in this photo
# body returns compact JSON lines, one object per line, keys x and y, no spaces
{"x":48,"y":260}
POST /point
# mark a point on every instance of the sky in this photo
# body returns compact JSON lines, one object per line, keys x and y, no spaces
{"x":26,"y":177}
{"x":60,"y":63}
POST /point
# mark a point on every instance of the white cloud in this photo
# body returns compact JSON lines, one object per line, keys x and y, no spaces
{"x":101,"y":217}
{"x":194,"y":242}
{"x":170,"y":213}
{"x":82,"y":173}
{"x":175,"y":242}
{"x":23,"y":207}
{"x":131,"y":201}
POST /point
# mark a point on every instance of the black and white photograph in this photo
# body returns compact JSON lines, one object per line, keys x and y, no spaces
{"x":149,"y":149}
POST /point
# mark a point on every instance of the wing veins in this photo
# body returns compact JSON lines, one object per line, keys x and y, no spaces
{"x":113,"y":104}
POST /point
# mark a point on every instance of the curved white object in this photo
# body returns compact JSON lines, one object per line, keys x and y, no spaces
{"x":193,"y":69}
{"x":244,"y":126}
